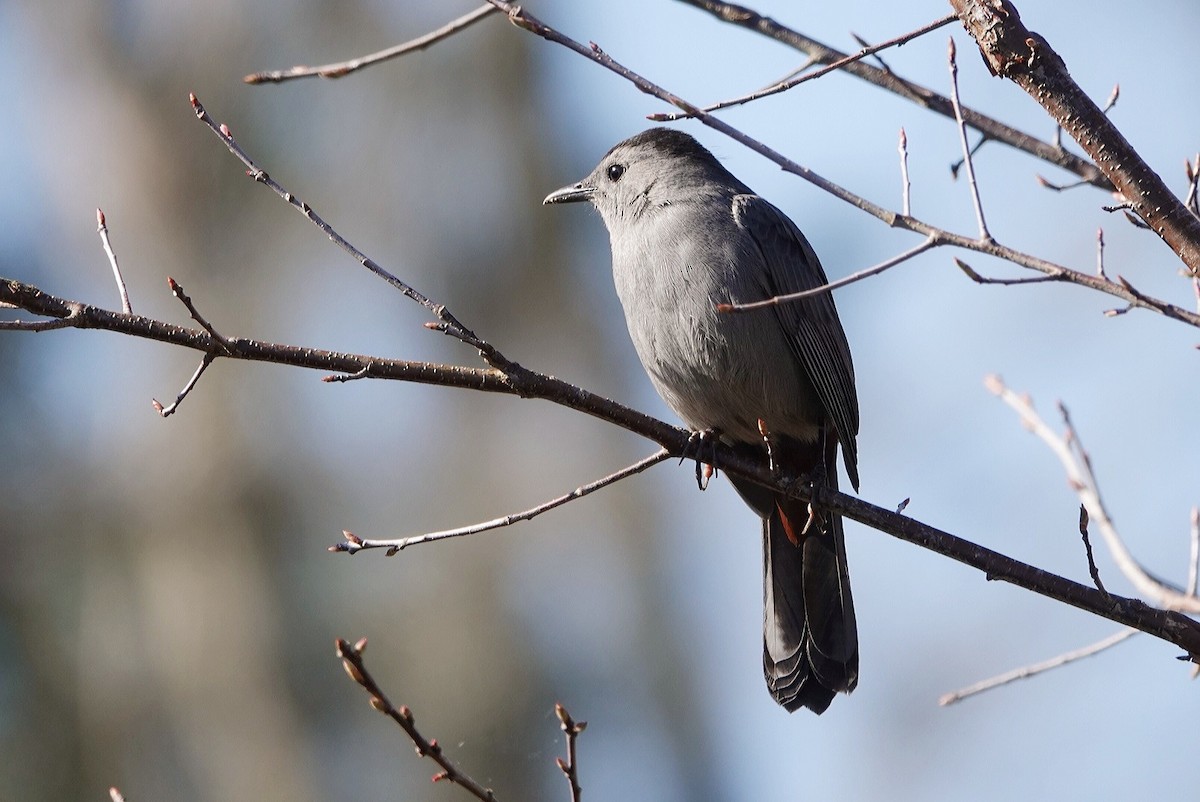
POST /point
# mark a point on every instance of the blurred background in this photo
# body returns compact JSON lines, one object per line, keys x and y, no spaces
{"x":167,"y":606}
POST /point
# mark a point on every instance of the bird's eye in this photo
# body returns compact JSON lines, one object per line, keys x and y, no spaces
{"x":615,"y":171}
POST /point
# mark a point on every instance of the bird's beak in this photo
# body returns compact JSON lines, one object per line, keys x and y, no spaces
{"x":572,"y":194}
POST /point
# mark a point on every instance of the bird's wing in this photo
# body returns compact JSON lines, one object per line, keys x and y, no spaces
{"x":814,"y":332}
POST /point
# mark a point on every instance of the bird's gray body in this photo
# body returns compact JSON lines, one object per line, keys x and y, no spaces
{"x":693,"y":355}
{"x":686,"y":235}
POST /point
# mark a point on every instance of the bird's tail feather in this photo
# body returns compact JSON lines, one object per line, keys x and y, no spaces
{"x":810,"y":638}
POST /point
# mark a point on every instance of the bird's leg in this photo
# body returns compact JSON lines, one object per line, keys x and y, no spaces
{"x":815,"y":478}
{"x":699,"y":442}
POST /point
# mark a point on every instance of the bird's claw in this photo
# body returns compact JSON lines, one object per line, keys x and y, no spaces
{"x":699,"y":442}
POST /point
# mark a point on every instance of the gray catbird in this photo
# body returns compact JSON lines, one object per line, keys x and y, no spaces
{"x":686,"y":236}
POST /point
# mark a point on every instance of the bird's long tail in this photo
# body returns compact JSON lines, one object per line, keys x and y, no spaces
{"x":810,"y":639}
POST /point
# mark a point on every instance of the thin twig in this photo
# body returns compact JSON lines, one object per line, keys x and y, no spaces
{"x":838,"y":64}
{"x":1087,"y":547}
{"x":224,"y":348}
{"x":962,"y":135}
{"x":1048,"y":184}
{"x":70,"y":318}
{"x":1192,"y":198}
{"x":177,"y":291}
{"x":354,"y":544}
{"x":878,"y":59}
{"x":168,"y":411}
{"x":1077,"y":464}
{"x":570,"y":766}
{"x":115,"y":795}
{"x":956,"y":166}
{"x":333,"y":378}
{"x":978,"y":279}
{"x":905,"y":184}
{"x":808,"y":62}
{"x":352,"y":660}
{"x":922,"y":96}
{"x":102,"y":230}
{"x":447,"y":322}
{"x":1037,"y":668}
{"x":1100,"y":254}
{"x":874,"y":270}
{"x":346,"y":67}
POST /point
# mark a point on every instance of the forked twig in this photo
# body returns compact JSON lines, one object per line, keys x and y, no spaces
{"x":1077,"y":464}
{"x":837,"y":64}
{"x":447,"y":323}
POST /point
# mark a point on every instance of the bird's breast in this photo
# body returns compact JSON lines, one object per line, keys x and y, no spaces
{"x":715,"y":370}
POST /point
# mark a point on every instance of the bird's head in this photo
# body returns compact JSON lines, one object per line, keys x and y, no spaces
{"x":654,"y":169}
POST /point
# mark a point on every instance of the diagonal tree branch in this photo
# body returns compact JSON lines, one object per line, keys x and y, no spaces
{"x":823,"y":54}
{"x":351,"y":655}
{"x":1013,"y":51}
{"x":1167,"y":625}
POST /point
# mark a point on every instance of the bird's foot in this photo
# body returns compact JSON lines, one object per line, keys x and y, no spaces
{"x":814,"y":479}
{"x":702,"y":447}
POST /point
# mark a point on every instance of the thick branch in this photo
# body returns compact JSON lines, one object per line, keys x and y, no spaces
{"x":1170,"y":626}
{"x":1013,"y":51}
